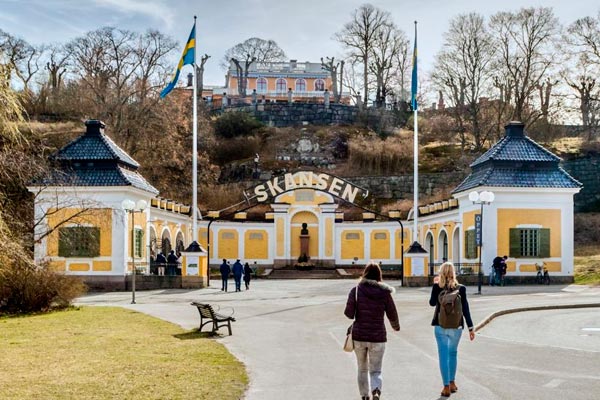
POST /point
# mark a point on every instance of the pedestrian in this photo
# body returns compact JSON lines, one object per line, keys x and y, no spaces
{"x":247,"y":275}
{"x":238,"y":271}
{"x":161,"y":261}
{"x":172,"y":263}
{"x":448,"y":321}
{"x":497,"y":267}
{"x":225,"y":271}
{"x":367,"y":303}
{"x":503,"y":269}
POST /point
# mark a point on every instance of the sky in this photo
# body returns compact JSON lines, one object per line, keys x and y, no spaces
{"x":302,"y":28}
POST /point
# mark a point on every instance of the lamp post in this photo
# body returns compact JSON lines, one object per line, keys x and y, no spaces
{"x":133,"y":207}
{"x":482,"y":198}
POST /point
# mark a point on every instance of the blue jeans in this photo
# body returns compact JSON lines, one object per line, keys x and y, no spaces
{"x":447,"y":343}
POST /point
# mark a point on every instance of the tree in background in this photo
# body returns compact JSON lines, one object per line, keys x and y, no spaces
{"x":387,"y":46}
{"x":463,"y":72}
{"x":359,"y":37}
{"x":336,"y":70}
{"x":526,"y":44}
{"x":403,"y":69}
{"x":253,"y":50}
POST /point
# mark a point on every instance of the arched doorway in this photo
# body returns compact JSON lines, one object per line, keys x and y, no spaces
{"x":179,"y":244}
{"x":456,"y":247}
{"x":165,"y":242}
{"x":312,"y":224}
{"x":442,"y":247}
{"x":429,"y":246}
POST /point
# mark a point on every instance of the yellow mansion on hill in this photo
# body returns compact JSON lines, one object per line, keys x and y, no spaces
{"x":83,"y":230}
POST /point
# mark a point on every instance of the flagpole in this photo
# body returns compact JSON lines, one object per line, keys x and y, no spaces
{"x":195,"y":148}
{"x":416,"y":159}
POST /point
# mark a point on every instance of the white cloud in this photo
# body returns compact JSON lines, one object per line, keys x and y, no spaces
{"x":155,"y":9}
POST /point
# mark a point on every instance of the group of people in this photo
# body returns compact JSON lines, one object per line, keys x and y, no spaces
{"x":371,"y":299}
{"x":238,"y":271}
{"x":169,"y":263}
{"x":498,"y":271}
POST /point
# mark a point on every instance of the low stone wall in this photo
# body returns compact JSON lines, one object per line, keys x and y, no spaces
{"x":401,"y":186}
{"x":285,"y":114}
{"x":587,"y":171}
{"x":110,"y":283}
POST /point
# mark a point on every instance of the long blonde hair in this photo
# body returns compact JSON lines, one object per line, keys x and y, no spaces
{"x":448,"y":275}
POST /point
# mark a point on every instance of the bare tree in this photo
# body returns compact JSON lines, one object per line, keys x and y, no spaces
{"x":244,"y":54}
{"x":22,"y":56}
{"x":582,"y":40}
{"x":464,"y":74}
{"x":525,"y":41}
{"x":200,"y":74}
{"x":403,"y":67}
{"x":359,"y":35}
{"x":336,"y":70}
{"x":386,"y":48}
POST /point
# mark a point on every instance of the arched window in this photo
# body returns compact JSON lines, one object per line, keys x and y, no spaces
{"x":300,"y":85}
{"x":320,"y":85}
{"x":179,"y":245}
{"x":281,"y":85}
{"x":261,"y":85}
{"x":166,"y":243}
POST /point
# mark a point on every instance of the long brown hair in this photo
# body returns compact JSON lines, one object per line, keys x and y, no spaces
{"x":372,"y":272}
{"x":448,"y":276}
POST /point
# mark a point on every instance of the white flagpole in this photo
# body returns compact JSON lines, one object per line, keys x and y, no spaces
{"x":195,"y":149}
{"x":416,"y":164}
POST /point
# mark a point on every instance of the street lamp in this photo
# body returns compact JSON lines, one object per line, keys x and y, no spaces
{"x":482,"y":198}
{"x":133,"y":207}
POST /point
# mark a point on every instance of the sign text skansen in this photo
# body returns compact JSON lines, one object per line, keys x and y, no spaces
{"x":308,"y":179}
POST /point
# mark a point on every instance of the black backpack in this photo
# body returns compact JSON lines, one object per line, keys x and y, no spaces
{"x":450,"y":313}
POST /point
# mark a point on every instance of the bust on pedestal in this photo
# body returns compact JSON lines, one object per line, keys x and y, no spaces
{"x":304,"y":240}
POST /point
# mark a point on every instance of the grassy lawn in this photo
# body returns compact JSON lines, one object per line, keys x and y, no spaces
{"x":587,"y":270}
{"x":112,"y":353}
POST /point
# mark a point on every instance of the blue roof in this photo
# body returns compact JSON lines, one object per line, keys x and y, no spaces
{"x":96,"y":147}
{"x":517,"y":161}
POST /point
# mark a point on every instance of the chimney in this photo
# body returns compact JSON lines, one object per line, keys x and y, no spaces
{"x":190,"y":81}
{"x":515,"y":129}
{"x":293,"y":64}
{"x":94,"y":127}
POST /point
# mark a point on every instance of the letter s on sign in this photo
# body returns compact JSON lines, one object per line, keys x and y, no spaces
{"x":261,"y":193}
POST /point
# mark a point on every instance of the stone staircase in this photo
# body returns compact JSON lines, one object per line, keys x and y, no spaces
{"x":294,"y":273}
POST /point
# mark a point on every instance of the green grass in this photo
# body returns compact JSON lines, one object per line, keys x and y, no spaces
{"x":112,"y":353}
{"x":587,"y":270}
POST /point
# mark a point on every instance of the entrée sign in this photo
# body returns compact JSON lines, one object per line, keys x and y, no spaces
{"x":311,"y":180}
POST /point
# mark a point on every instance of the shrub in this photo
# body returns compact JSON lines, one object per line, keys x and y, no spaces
{"x":234,"y":124}
{"x":376,"y":156}
{"x":240,"y":148}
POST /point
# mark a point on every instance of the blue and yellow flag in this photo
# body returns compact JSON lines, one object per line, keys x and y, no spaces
{"x":188,"y":57}
{"x":415,"y":81}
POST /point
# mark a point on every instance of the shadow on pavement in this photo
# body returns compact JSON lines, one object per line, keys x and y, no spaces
{"x":192,"y":335}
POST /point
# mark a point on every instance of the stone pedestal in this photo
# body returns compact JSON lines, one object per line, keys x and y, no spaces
{"x":304,"y":240}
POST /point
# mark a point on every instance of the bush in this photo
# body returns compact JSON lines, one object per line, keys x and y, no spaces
{"x":240,"y":148}
{"x":234,"y":124}
{"x":375,"y":156}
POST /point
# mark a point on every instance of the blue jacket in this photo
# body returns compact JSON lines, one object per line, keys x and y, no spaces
{"x":225,"y":270}
{"x":238,"y":269}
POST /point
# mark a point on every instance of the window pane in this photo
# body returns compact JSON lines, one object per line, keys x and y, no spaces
{"x":261,"y":85}
{"x":79,"y":241}
{"x":320,"y":85}
{"x":300,"y":85}
{"x":281,"y":85}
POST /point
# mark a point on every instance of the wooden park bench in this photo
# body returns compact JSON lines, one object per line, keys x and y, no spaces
{"x":218,"y":320}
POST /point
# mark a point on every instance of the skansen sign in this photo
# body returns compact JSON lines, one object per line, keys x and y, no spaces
{"x":306,"y":180}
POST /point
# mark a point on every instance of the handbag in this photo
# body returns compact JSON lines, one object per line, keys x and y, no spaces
{"x":349,"y":342}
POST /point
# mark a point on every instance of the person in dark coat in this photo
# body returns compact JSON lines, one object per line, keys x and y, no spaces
{"x":497,"y":266}
{"x":161,"y":261}
{"x":225,"y":271}
{"x":447,"y":338}
{"x":367,"y":304}
{"x":238,"y":271}
{"x":172,"y":263}
{"x":247,"y":275}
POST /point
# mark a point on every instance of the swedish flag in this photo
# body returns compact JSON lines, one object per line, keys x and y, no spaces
{"x":188,"y":57}
{"x":415,"y":82}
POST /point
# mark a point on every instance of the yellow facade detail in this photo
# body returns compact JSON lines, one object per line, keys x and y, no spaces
{"x":102,"y":266}
{"x":511,"y":217}
{"x":511,"y":266}
{"x":203,"y":239}
{"x":140,"y":223}
{"x":228,"y":244}
{"x":328,"y":237}
{"x":97,"y":217}
{"x":256,"y":245}
{"x":280,"y":235}
{"x":313,"y":242}
{"x":380,"y":244}
{"x":551,"y":266}
{"x":79,"y":267}
{"x":58,"y":265}
{"x":353,"y":244}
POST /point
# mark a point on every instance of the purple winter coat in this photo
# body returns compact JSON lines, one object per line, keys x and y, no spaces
{"x":374,"y":299}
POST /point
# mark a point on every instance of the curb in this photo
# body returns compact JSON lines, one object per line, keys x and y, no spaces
{"x":490,"y":317}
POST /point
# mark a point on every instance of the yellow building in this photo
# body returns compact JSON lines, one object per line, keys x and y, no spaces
{"x":84,"y":231}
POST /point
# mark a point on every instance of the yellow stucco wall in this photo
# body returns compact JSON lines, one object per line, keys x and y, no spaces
{"x":328,"y":237}
{"x":79,"y":267}
{"x":511,"y":217}
{"x":380,"y":248}
{"x":280,"y":235}
{"x":254,"y":248}
{"x":98,"y":217}
{"x":228,"y":247}
{"x":58,"y":265}
{"x":313,"y":242}
{"x":271,"y":83}
{"x":203,"y":239}
{"x":352,"y":247}
{"x":102,"y":266}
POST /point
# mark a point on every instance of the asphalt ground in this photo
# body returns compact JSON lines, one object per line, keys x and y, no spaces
{"x":290,"y":333}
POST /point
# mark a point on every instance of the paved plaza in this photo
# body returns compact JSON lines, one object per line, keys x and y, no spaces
{"x":289,"y":334}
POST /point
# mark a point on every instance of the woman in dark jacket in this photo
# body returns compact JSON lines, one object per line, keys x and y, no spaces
{"x":367,"y":307}
{"x":247,"y":275}
{"x":448,"y":338}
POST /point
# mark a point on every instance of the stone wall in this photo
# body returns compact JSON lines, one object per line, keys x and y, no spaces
{"x":587,"y":171}
{"x":285,"y":114}
{"x":401,"y":186}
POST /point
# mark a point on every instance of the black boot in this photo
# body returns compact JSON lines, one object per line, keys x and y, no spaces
{"x":376,"y":394}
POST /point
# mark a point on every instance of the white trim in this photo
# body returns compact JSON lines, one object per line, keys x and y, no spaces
{"x":529,"y":226}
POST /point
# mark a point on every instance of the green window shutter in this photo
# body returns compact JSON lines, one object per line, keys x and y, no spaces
{"x":544,"y":242}
{"x":470,"y":247}
{"x":64,"y":242}
{"x":514,"y":243}
{"x":79,"y":241}
{"x":94,"y":244}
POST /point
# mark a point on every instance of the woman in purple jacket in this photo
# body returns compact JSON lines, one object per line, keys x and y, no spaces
{"x":367,"y":308}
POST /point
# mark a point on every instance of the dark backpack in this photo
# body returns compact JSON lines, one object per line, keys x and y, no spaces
{"x":450,"y":309}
